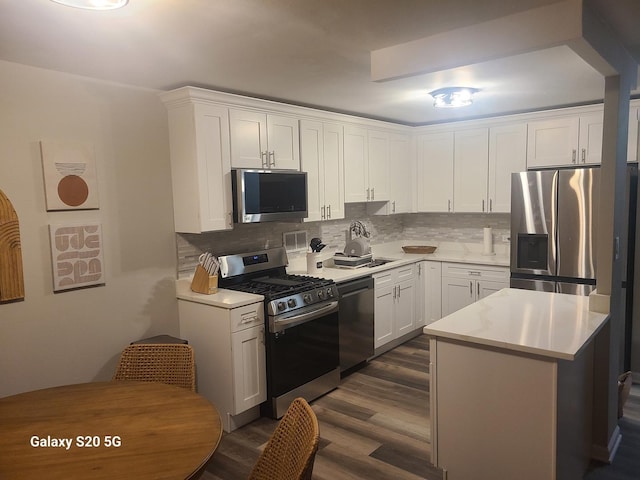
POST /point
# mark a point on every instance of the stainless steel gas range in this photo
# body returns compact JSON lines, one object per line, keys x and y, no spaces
{"x":301,"y":315}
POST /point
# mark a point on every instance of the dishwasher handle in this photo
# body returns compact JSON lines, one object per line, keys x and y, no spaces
{"x":355,"y":287}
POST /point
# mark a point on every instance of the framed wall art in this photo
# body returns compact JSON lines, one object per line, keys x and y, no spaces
{"x":77,"y":257}
{"x":70,"y":179}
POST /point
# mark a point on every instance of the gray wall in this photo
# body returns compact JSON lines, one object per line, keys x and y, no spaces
{"x":76,"y":336}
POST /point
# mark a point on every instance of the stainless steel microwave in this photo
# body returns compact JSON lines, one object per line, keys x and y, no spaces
{"x":269,"y":195}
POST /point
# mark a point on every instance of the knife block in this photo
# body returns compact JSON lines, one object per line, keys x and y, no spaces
{"x":202,"y":282}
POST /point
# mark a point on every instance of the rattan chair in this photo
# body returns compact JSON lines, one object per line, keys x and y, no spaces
{"x":291,"y":450}
{"x":170,"y":363}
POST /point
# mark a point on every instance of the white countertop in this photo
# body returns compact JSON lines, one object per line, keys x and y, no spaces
{"x":224,"y":298}
{"x":446,"y":252}
{"x":547,"y":324}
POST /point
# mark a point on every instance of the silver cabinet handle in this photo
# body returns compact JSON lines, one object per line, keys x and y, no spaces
{"x":470,"y":288}
{"x":264,"y":158}
{"x":573,"y":156}
{"x":230,"y":218}
{"x":475,"y":274}
{"x":478,"y":288}
{"x":329,"y":210}
{"x":394,"y":292}
{"x":584,"y":155}
{"x":322,"y":212}
{"x":262,"y":335}
{"x":483,"y":205}
{"x":399,"y":291}
{"x":272,"y":155}
{"x":448,"y":205}
{"x":490,"y":205}
{"x":419,"y":269}
{"x":367,"y":194}
{"x":373,"y":194}
{"x":394,"y":207}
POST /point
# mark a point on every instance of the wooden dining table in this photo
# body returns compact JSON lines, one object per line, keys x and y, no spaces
{"x":107,"y":430}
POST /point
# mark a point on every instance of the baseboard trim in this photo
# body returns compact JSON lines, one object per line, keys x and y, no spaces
{"x":608,"y":453}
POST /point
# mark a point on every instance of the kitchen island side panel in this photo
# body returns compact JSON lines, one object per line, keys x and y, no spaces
{"x":495,"y":413}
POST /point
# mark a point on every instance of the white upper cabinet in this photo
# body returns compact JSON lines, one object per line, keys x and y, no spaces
{"x":356,"y":157}
{"x":590,"y":139}
{"x":321,"y":156}
{"x":471,"y":151}
{"x":366,"y":164}
{"x":553,"y":142}
{"x":261,"y":140}
{"x":200,"y":166}
{"x":435,"y":172}
{"x":377,"y":171}
{"x":507,"y":155}
{"x":401,"y":178}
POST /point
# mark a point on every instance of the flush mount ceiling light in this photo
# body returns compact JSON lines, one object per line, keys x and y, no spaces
{"x":451,"y":97}
{"x":93,"y":4}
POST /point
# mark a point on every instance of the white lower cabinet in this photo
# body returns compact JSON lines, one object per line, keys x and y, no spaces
{"x":395,"y":304}
{"x":428,"y":293}
{"x":230,"y":357}
{"x":463,"y":284}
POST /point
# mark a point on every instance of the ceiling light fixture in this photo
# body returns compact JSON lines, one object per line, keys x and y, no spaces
{"x":93,"y":4}
{"x":451,"y":97}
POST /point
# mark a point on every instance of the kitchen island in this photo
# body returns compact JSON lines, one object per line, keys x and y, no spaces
{"x":511,"y":387}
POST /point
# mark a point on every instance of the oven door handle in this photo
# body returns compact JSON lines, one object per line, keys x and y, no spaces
{"x":278,"y":325}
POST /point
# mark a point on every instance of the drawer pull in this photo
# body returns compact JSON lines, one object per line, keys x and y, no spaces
{"x":249,"y":317}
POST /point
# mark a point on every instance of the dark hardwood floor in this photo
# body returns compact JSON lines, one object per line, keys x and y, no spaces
{"x":375,"y":426}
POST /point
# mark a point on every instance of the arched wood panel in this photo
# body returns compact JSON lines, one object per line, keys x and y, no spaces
{"x":11,"y":275}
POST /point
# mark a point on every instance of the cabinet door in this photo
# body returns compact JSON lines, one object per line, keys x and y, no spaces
{"x":435,"y":172}
{"x":333,"y":171}
{"x":283,"y":142}
{"x":552,"y":142}
{"x":405,"y":307}
{"x":311,"y":161}
{"x":400,"y":174}
{"x":507,"y":155}
{"x":484,"y":288}
{"x":590,"y":138}
{"x":248,"y":139}
{"x":385,"y":297}
{"x":383,"y":314}
{"x":632,"y":147}
{"x":377,"y":166}
{"x":470,"y":164}
{"x":355,"y":161}
{"x":249,"y":373}
{"x":431,"y":274}
{"x":457,"y":293}
{"x":200,"y":168}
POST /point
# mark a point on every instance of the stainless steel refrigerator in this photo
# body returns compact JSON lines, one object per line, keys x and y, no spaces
{"x":554,"y":220}
{"x":554,"y":217}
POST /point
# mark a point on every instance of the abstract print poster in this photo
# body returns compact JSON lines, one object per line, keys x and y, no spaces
{"x":70,"y":181}
{"x":77,"y":256}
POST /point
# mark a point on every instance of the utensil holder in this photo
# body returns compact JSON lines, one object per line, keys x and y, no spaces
{"x":314,"y":263}
{"x":203,"y":282}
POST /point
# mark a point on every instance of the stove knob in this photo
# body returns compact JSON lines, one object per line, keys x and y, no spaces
{"x":329,"y":292}
{"x":306,"y":298}
{"x":320,"y":294}
{"x":291,"y":302}
{"x":281,"y":306}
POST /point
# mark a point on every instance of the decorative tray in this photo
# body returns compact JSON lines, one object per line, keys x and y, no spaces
{"x":419,"y":249}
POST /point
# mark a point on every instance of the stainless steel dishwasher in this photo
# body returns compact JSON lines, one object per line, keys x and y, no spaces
{"x":355,"y":320}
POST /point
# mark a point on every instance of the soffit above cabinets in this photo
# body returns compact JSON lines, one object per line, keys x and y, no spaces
{"x":315,"y":53}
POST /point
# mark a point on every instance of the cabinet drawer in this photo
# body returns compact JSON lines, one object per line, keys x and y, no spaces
{"x":247,"y":316}
{"x":471,"y":271}
{"x":383,"y":279}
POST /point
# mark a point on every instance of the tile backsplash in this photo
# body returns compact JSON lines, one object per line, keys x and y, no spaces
{"x":440,"y":227}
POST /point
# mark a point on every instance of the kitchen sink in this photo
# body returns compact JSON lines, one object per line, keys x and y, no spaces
{"x":380,"y":261}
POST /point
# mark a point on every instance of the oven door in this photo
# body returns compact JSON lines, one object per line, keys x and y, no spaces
{"x":302,"y":355}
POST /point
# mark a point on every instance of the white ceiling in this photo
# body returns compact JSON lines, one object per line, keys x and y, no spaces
{"x":308,"y":52}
